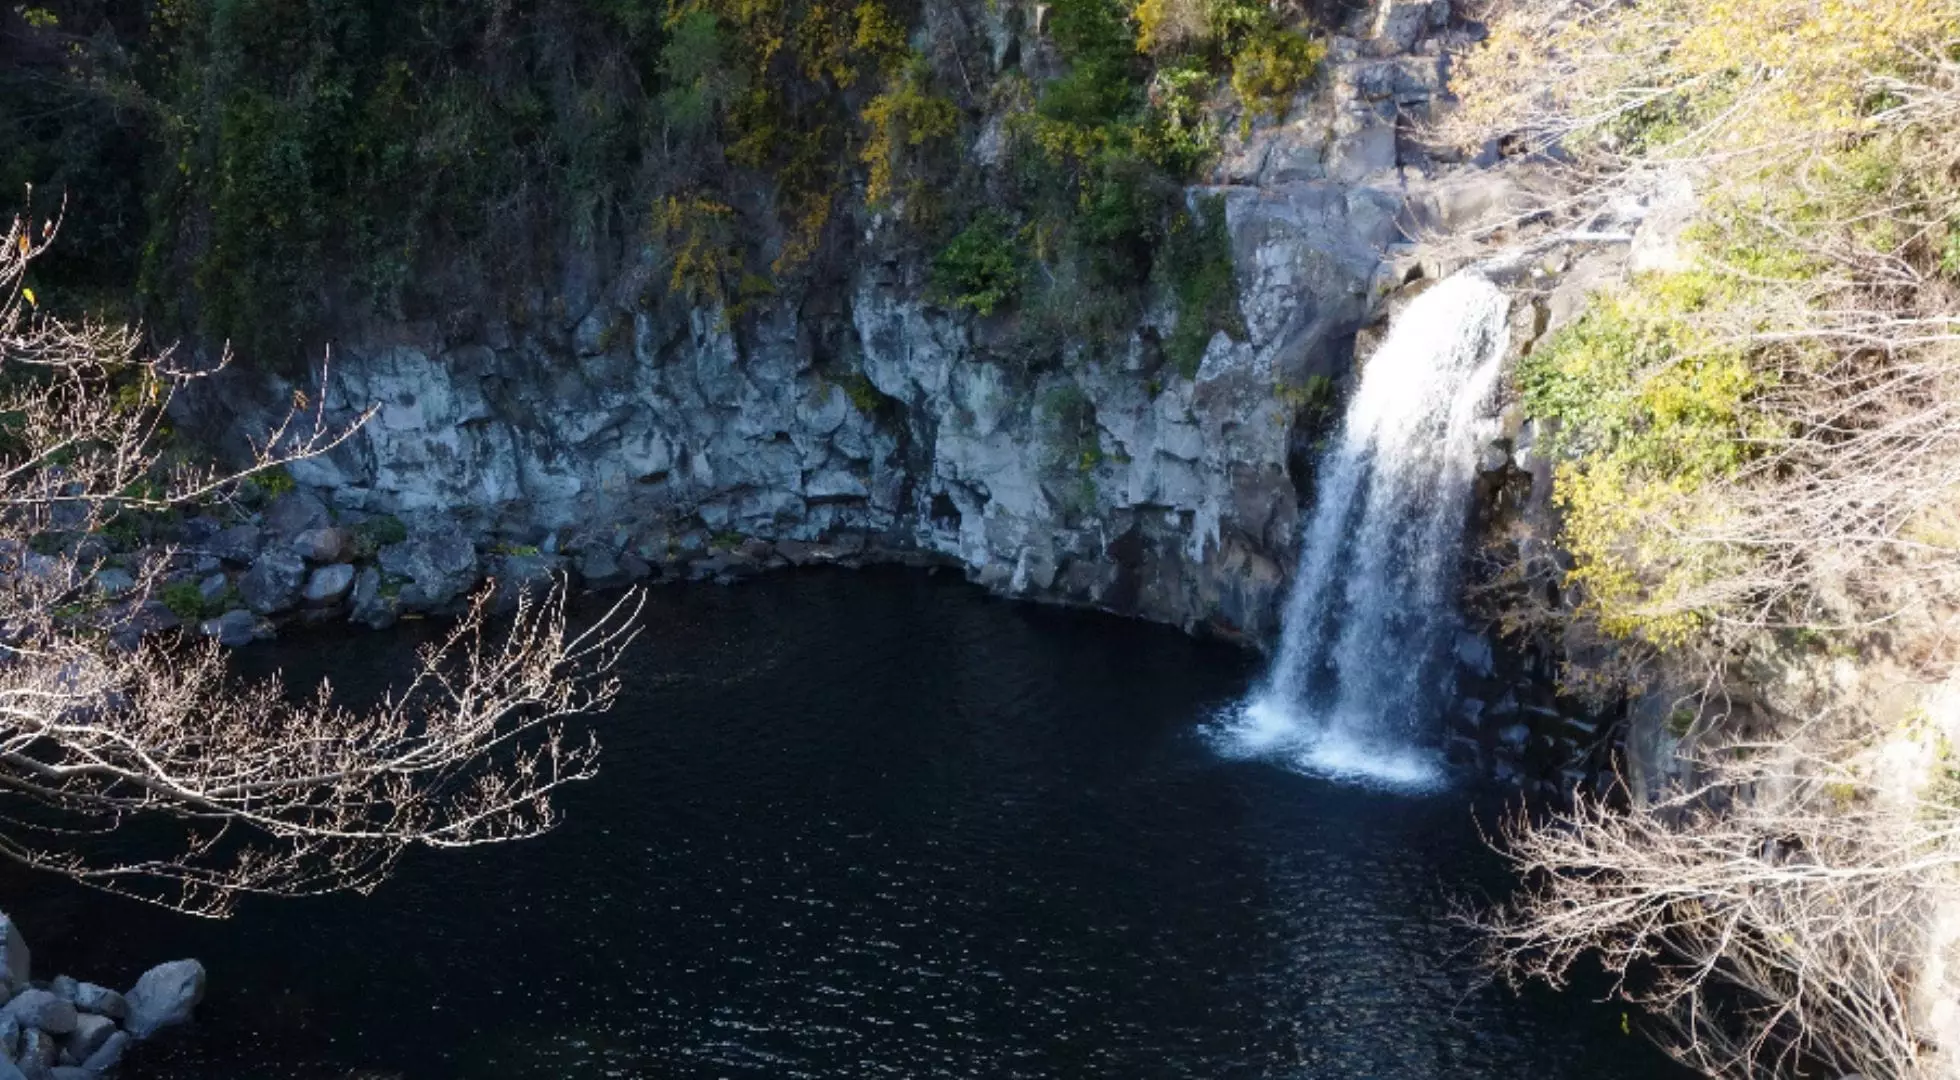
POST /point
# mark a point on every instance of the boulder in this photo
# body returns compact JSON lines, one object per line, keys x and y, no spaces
{"x":109,"y":1055}
{"x":197,"y":530}
{"x":100,"y":1001}
{"x":91,"y":1034}
{"x":9,"y":1038}
{"x":164,"y":996}
{"x":372,"y":607}
{"x":440,"y":566}
{"x":296,"y":512}
{"x":64,"y":987}
{"x":1397,"y":24}
{"x":238,"y":545}
{"x":72,"y":1072}
{"x":518,"y":574}
{"x":328,"y":585}
{"x":212,"y":587}
{"x":13,"y":954}
{"x":273,"y":583}
{"x":10,"y":1071}
{"x":115,"y":583}
{"x":41,"y":1009}
{"x":322,"y":546}
{"x":234,"y":629}
{"x":38,"y":1053}
{"x":600,"y":569}
{"x":130,"y":623}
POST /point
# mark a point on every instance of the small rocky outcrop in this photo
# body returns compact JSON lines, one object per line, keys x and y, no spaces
{"x":372,"y":607}
{"x":238,"y":545}
{"x":67,"y":1029}
{"x":273,"y":583}
{"x":164,"y":996}
{"x":321,"y":546}
{"x":439,"y":566}
{"x":328,"y":585}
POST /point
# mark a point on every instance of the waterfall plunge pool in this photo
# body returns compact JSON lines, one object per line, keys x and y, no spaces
{"x":873,"y":824}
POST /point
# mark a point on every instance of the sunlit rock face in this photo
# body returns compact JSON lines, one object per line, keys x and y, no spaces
{"x":859,"y":414}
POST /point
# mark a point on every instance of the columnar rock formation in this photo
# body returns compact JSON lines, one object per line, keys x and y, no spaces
{"x":870,"y":422}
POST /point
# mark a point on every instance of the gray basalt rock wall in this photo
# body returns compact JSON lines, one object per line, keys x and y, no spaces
{"x":892,"y":426}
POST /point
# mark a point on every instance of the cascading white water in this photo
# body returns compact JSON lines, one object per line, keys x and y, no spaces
{"x":1361,"y":668}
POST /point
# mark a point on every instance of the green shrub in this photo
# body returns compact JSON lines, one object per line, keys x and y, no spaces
{"x":1197,"y":268}
{"x":1271,"y":65}
{"x":980,"y":270}
{"x":902,"y":120}
{"x":864,"y":394}
{"x":185,"y":600}
{"x":1074,"y":436}
{"x":375,"y":533}
{"x":701,"y":82}
{"x":1651,"y":406}
{"x":272,"y":483}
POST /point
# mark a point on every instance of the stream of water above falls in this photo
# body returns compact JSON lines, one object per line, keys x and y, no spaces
{"x":879,"y":824}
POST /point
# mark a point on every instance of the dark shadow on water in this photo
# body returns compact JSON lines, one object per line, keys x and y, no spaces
{"x":878,"y":824}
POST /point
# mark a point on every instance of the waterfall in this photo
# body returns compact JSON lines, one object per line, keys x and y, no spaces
{"x":1363,"y":663}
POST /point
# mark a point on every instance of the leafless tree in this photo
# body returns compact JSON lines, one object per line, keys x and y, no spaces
{"x":1773,"y":916}
{"x":105,"y":732}
{"x":1775,"y":911}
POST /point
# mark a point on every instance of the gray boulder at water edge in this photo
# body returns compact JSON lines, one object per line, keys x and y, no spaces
{"x":439,"y":566}
{"x":41,"y":1009}
{"x":329,"y":585}
{"x":373,"y":606}
{"x":321,"y":545}
{"x":273,"y":583}
{"x":91,"y":1034}
{"x":101,"y":1001}
{"x":110,"y":1054}
{"x":234,"y":629}
{"x":164,"y":996}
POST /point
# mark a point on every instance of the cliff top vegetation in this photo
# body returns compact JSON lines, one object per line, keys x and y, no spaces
{"x":290,"y":170}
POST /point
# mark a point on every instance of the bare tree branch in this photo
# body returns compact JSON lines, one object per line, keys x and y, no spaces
{"x":285,"y":797}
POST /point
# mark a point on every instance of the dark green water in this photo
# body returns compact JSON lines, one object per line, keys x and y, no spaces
{"x":861,"y":825}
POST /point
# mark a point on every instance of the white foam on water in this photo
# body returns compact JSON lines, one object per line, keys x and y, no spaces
{"x":1261,"y":730}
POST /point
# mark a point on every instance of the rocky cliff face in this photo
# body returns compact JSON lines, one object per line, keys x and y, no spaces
{"x":874,"y":423}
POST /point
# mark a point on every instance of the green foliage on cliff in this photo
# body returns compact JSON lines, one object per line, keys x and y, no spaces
{"x":1198,"y":266}
{"x":981,"y":269}
{"x":1758,"y":438}
{"x":904,"y":121}
{"x":1649,"y":406}
{"x":292,"y":169}
{"x":319,"y":152}
{"x":1269,"y":67}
